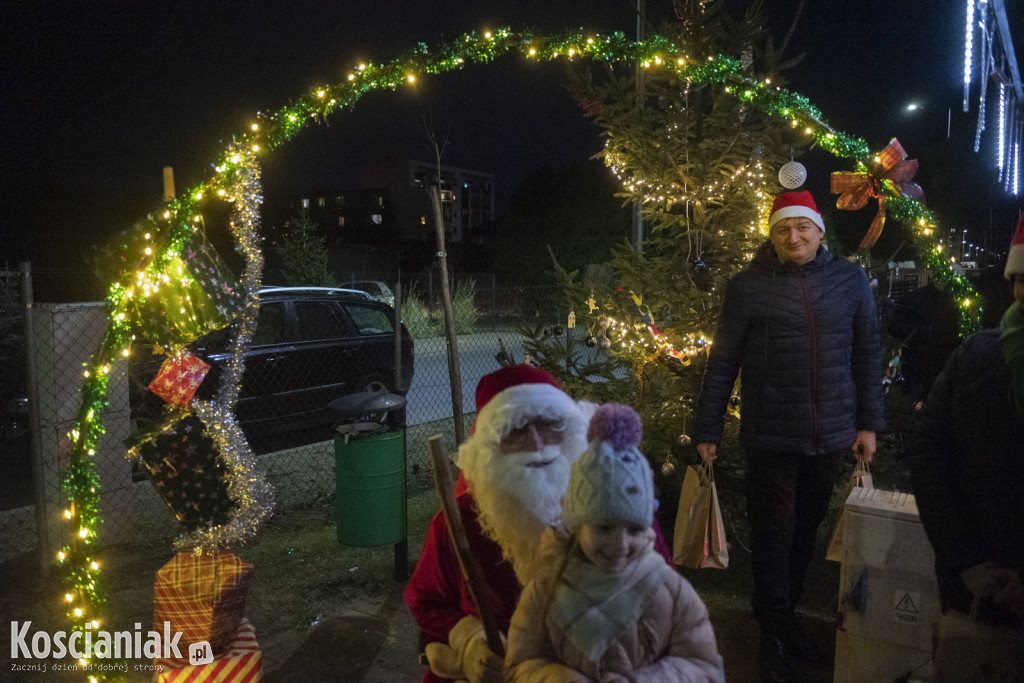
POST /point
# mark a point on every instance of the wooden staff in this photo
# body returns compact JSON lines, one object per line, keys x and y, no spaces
{"x":470,"y":568}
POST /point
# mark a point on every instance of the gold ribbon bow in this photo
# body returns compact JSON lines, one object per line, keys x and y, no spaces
{"x":890,"y":172}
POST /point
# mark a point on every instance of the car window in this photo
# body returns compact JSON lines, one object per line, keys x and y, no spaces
{"x":319,"y":320}
{"x":370,"y":320}
{"x":370,"y":288}
{"x":270,"y":328}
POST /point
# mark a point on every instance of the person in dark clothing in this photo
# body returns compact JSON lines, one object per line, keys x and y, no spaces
{"x":926,"y":326}
{"x":801,"y":328}
{"x":967,"y":466}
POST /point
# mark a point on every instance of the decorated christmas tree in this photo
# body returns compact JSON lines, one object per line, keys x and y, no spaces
{"x":702,"y":165}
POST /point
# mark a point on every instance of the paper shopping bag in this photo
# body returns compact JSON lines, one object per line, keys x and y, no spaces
{"x":691,"y":519}
{"x":861,"y":478}
{"x":699,"y":537}
{"x":716,"y":553}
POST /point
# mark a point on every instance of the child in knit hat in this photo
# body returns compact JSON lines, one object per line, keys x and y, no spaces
{"x":605,"y":606}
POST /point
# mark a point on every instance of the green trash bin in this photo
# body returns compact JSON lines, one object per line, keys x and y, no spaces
{"x":369,"y":472}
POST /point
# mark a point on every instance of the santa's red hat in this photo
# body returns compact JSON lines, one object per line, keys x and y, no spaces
{"x":1015,"y":259}
{"x":795,"y":205}
{"x":510,"y":376}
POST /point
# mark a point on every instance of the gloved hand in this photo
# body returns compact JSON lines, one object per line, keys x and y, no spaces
{"x":466,"y":655}
{"x":1003,"y":585}
{"x":443,"y":661}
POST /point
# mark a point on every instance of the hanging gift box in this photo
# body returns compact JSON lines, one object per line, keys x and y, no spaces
{"x":178,"y":378}
{"x":184,"y":293}
{"x":202,"y":597}
{"x":182,"y":462}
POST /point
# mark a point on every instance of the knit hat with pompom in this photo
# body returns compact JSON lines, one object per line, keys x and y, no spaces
{"x":611,"y":481}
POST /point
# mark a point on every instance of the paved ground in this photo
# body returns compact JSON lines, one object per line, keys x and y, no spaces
{"x":375,"y":641}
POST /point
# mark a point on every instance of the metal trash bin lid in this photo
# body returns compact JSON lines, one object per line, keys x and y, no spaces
{"x":366,"y":402}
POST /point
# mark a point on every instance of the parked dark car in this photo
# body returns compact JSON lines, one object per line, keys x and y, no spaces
{"x":311,"y":346}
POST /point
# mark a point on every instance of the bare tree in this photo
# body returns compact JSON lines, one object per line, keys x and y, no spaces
{"x":454,"y":372}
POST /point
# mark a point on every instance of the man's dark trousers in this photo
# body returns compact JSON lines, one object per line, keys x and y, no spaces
{"x":787,"y":498}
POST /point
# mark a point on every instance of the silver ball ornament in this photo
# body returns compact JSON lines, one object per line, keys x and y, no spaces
{"x":667,"y":468}
{"x":683,"y":440}
{"x":604,"y":343}
{"x":792,"y":175}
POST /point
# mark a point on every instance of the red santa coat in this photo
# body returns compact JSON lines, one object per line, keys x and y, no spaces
{"x":437,"y":594}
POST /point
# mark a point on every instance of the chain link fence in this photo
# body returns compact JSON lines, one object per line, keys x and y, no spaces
{"x":45,"y":354}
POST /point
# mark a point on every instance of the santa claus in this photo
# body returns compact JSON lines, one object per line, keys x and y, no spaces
{"x":514,"y":471}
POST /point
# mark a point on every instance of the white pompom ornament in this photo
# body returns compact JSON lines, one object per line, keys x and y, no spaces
{"x":792,"y":175}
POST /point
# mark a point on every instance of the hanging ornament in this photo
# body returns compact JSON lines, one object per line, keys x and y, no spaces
{"x":792,"y":175}
{"x":701,"y":274}
{"x":592,"y":302}
{"x":604,"y":343}
{"x":746,"y":56}
{"x":667,"y":468}
{"x":683,"y":440}
{"x":603,"y":323}
{"x":572,"y":320}
{"x":889,"y":172}
{"x":590,"y":341}
{"x":558,"y":330}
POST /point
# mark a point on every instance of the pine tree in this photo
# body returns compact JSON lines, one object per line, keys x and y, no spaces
{"x":304,"y":253}
{"x":703,"y":165}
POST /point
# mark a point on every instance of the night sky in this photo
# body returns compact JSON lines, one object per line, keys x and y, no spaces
{"x":100,"y":95}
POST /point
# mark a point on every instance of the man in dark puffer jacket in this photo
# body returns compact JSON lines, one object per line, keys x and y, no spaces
{"x":802,"y":327}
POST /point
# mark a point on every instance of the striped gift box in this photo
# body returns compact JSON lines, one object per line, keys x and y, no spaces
{"x":202,"y":597}
{"x":242,"y":663}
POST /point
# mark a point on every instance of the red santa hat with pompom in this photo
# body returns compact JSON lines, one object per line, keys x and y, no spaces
{"x":1015,"y":259}
{"x":795,"y":205}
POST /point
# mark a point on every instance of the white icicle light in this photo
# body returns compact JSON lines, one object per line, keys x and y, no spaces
{"x":968,"y":51}
{"x":1002,"y":127}
{"x":1016,"y":168}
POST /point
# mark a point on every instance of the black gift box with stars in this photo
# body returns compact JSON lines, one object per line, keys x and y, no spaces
{"x":181,"y":461}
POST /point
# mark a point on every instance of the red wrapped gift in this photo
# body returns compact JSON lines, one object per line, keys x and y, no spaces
{"x":242,"y":663}
{"x":202,"y":597}
{"x":178,"y":379}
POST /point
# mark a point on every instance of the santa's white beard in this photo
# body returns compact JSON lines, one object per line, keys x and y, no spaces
{"x":517,"y":501}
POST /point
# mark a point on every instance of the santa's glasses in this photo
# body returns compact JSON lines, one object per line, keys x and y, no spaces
{"x":549,"y":431}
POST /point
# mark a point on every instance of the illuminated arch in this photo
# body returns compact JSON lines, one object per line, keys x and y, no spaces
{"x":236,"y":177}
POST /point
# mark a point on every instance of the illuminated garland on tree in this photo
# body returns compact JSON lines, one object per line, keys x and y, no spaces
{"x":236,"y":177}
